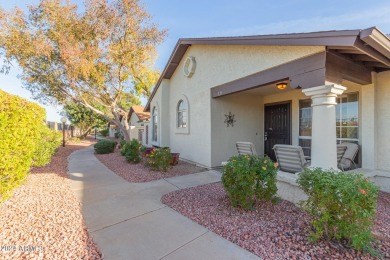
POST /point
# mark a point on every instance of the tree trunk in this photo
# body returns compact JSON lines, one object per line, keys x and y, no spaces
{"x":124,"y":128}
{"x":125,"y":132}
{"x":85,"y":133}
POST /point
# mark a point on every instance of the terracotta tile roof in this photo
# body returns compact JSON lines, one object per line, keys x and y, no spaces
{"x":139,"y":111}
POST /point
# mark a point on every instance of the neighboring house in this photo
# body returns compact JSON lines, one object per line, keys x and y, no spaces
{"x":137,"y":120}
{"x":112,"y":129}
{"x":214,"y":92}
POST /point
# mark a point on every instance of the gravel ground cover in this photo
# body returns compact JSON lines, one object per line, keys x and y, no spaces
{"x":140,"y":173}
{"x":270,"y":231}
{"x":43,"y":220}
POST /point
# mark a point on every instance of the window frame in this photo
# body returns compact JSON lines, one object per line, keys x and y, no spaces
{"x":305,"y":140}
{"x":183,"y":112}
{"x":186,"y":129}
{"x":155,"y":124}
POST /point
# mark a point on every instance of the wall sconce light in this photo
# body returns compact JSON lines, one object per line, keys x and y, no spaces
{"x":281,"y":85}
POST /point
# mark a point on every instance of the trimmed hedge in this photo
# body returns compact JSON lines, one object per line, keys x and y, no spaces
{"x":104,"y":146}
{"x":21,"y":131}
{"x":47,"y":145}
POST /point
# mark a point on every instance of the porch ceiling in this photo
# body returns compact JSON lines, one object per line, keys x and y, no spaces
{"x":314,"y":70}
{"x":267,"y":90}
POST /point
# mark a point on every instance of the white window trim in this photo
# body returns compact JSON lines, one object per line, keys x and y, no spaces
{"x":339,"y":140}
{"x":182,"y":130}
{"x":155,"y":142}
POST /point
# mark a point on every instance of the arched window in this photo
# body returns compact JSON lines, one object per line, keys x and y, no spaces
{"x":182,"y":109}
{"x":154,"y":124}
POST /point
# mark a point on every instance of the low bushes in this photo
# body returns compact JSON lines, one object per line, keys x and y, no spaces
{"x":131,"y":151}
{"x":104,"y":132}
{"x":47,"y":145}
{"x":248,"y":177}
{"x":159,"y":159}
{"x":342,"y":206}
{"x":104,"y":146}
{"x":25,"y":140}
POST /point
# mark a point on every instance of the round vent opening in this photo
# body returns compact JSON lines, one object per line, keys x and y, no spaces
{"x":189,"y":66}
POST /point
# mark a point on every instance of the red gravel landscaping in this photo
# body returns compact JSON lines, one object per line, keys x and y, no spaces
{"x":140,"y":173}
{"x":42,"y":220}
{"x":270,"y":231}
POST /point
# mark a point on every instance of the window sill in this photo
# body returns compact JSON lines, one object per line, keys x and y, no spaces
{"x":185,"y":131}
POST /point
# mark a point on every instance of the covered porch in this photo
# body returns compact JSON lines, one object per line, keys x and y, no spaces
{"x":329,"y":98}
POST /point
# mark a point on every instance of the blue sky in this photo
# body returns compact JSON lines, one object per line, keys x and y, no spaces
{"x":204,"y":18}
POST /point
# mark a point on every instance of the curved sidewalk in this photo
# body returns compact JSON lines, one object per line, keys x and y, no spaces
{"x":128,"y":221}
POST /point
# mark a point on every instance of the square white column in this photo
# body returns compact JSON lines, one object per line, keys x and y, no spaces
{"x":323,"y":140}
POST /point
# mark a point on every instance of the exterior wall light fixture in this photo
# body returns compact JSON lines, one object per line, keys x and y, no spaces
{"x":281,"y":85}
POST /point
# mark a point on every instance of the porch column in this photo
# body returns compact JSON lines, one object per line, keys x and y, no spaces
{"x":323,"y":140}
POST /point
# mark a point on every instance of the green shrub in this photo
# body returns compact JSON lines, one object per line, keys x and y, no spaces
{"x":47,"y":145}
{"x":20,"y":129}
{"x":104,"y":132}
{"x":125,"y":148}
{"x":132,"y":151}
{"x":342,"y":205}
{"x":104,"y":146}
{"x":118,"y":134}
{"x":248,"y":177}
{"x":142,"y":149}
{"x":122,"y":143}
{"x":159,"y":159}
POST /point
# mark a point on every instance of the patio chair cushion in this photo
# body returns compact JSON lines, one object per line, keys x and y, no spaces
{"x":340,"y":152}
{"x":244,"y":148}
{"x":290,"y":158}
{"x":348,"y":158}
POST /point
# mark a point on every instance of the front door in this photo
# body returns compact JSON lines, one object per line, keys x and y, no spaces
{"x":277,"y":126}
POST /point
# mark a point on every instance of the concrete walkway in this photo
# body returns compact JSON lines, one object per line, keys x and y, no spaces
{"x":128,"y":221}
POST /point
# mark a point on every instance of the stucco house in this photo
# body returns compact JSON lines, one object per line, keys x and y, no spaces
{"x":214,"y":92}
{"x":137,"y":119}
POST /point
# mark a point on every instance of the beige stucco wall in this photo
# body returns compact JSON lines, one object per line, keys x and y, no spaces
{"x":247,"y":110}
{"x":216,"y":65}
{"x":134,"y":120}
{"x":382,"y":120}
{"x":161,"y":101}
{"x":132,"y":123}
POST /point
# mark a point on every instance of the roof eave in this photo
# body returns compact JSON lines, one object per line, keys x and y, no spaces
{"x":376,"y":39}
{"x":373,"y":37}
{"x":169,"y":63}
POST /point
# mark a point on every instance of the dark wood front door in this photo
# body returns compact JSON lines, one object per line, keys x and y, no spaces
{"x":277,"y":126}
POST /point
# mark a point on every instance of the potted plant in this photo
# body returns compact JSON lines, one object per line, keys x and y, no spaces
{"x":148,"y":150}
{"x":175,"y":158}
